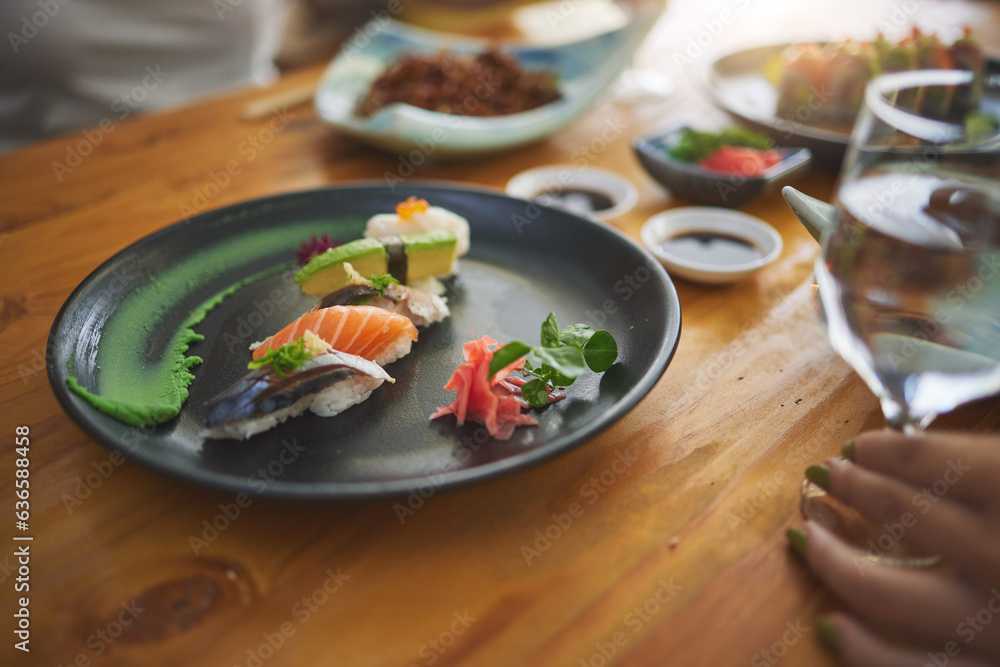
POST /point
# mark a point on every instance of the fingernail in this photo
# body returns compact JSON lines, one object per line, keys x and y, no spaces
{"x":850,"y":450}
{"x":829,"y":638}
{"x":819,"y":475}
{"x":798,"y":540}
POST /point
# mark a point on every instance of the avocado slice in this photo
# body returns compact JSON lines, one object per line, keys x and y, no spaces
{"x":407,"y":257}
{"x":428,"y":254}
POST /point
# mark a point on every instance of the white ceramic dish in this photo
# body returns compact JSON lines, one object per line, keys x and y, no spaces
{"x":537,"y":182}
{"x":585,"y":69}
{"x":710,"y":220}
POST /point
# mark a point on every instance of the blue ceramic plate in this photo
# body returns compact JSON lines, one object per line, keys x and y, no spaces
{"x":585,"y":70}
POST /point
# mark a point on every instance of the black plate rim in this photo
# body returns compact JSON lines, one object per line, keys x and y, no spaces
{"x":81,"y":413}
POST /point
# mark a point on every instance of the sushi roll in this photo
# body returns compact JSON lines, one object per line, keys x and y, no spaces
{"x":416,"y":215}
{"x":366,"y":331}
{"x":323,"y":380}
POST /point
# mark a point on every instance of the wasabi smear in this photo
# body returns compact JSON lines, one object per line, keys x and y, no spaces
{"x":155,"y":394}
{"x":144,"y":376}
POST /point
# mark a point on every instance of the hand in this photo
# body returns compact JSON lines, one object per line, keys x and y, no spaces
{"x":944,"y":488}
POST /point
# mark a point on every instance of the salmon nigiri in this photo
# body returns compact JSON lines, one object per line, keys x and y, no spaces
{"x":366,"y":331}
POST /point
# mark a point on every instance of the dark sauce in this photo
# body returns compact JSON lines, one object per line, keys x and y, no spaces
{"x":712,"y":248}
{"x":576,"y":199}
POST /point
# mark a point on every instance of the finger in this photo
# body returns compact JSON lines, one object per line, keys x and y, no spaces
{"x":932,"y":524}
{"x":857,"y":646}
{"x":914,"y":601}
{"x":964,"y":466}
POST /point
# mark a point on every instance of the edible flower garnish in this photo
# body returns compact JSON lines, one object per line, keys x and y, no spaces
{"x":381,"y":281}
{"x":317,"y":245}
{"x":285,"y":359}
{"x":406,"y":209}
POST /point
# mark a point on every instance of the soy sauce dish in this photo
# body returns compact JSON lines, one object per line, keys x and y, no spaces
{"x":587,"y":191}
{"x":709,"y":244}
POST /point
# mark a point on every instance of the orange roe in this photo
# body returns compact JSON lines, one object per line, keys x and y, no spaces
{"x":406,"y":209}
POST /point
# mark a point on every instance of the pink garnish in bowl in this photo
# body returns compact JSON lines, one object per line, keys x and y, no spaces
{"x":317,"y":245}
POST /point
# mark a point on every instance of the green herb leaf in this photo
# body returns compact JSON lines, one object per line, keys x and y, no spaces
{"x":285,"y":359}
{"x":536,"y":392}
{"x":601,"y":351}
{"x":550,"y":331}
{"x":507,"y":355}
{"x":576,"y":334}
{"x":380,"y":281}
{"x":567,"y":361}
{"x":560,"y":380}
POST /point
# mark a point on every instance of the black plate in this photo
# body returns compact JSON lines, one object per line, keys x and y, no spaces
{"x":525,"y":261}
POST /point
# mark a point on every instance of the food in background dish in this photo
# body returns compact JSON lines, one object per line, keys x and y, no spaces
{"x":734,"y":150}
{"x":305,"y":374}
{"x":484,"y":84}
{"x":826,"y":82}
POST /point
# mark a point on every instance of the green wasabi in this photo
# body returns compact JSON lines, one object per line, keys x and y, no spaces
{"x":157,"y":401}
{"x":140,"y":383}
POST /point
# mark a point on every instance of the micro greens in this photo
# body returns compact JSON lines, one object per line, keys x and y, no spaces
{"x":562,"y":356}
{"x":285,"y":359}
{"x":381,"y":281}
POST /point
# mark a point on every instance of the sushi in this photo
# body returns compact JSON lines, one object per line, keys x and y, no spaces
{"x":423,"y":308}
{"x":825,"y":82}
{"x":366,"y":331}
{"x":407,"y":258}
{"x":301,"y":376}
{"x":416,"y":215}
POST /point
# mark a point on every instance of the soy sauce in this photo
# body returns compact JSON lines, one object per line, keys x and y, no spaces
{"x":712,"y":248}
{"x":577,"y":199}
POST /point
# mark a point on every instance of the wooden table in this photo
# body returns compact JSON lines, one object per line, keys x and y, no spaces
{"x":679,"y":560}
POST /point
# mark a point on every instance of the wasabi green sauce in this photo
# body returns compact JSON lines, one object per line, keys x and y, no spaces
{"x":141,"y":395}
{"x":140,"y":386}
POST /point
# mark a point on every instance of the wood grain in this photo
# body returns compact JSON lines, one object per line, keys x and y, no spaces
{"x":677,"y":555}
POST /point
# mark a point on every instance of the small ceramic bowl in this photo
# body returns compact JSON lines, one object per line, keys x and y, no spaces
{"x":708,"y":244}
{"x":587,"y":191}
{"x":713,"y":188}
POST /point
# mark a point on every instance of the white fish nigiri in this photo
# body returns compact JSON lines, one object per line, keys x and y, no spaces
{"x":416,"y":215}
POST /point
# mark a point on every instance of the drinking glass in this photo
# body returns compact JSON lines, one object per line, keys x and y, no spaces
{"x":909,"y":273}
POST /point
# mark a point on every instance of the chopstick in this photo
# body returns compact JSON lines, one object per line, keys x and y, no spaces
{"x":287,"y":98}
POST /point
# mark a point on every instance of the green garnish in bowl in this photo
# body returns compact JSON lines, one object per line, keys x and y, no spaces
{"x":695,"y":145}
